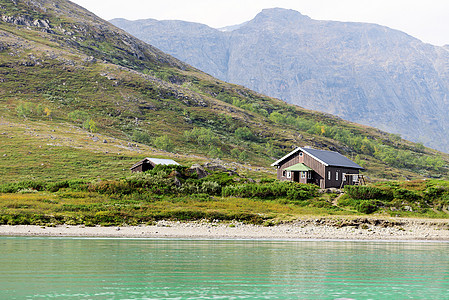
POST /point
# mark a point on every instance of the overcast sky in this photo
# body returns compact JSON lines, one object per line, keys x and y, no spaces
{"x":427,"y":20}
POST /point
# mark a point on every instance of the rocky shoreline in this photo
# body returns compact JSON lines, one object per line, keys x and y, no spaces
{"x":312,"y":228}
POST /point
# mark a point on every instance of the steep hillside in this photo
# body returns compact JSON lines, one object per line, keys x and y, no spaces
{"x":64,"y":69}
{"x":365,"y":73}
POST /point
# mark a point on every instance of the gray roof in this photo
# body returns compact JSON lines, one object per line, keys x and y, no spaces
{"x":162,"y":161}
{"x":328,"y":158}
{"x":156,"y":161}
{"x":331,"y":158}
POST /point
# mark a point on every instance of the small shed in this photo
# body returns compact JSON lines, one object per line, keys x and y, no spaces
{"x":149,"y":163}
{"x":321,"y":167}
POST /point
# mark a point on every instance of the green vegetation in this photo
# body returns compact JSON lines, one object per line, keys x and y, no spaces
{"x":75,"y":94}
{"x":175,"y":193}
{"x":84,"y":78}
{"x":163,"y":193}
{"x":428,"y":198}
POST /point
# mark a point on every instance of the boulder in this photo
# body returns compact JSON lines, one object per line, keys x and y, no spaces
{"x":199,"y":170}
{"x":215,"y":166}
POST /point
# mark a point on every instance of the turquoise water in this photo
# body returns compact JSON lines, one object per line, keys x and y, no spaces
{"x":66,"y":268}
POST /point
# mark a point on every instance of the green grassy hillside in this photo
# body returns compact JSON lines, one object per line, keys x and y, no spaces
{"x":81,"y":98}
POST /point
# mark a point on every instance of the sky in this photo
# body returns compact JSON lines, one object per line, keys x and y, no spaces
{"x":427,"y":20}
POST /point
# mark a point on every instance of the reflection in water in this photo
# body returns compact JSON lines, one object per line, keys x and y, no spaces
{"x":39,"y":268}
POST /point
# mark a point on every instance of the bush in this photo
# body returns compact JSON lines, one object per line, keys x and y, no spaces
{"x":112,"y":187}
{"x":367,"y":192}
{"x":164,"y":143}
{"x":73,"y":184}
{"x":141,"y":137}
{"x":366,"y":207}
{"x":406,"y":195}
{"x":24,"y":185}
{"x":244,"y":133}
{"x":290,"y":190}
{"x":210,"y":187}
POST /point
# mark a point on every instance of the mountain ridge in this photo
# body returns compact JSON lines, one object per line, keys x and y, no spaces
{"x":366,"y":73}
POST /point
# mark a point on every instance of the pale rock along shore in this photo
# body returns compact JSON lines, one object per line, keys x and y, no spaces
{"x":313,"y":228}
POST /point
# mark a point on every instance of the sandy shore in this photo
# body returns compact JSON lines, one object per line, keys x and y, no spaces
{"x":324,"y":228}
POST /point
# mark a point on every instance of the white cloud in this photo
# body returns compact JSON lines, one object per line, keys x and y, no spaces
{"x":427,"y":20}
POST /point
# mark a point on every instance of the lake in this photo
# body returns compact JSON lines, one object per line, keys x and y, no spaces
{"x":85,"y":268}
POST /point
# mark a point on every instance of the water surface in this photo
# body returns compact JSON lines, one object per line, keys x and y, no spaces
{"x":76,"y":268}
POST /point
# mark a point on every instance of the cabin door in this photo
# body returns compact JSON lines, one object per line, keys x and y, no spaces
{"x":296,"y":176}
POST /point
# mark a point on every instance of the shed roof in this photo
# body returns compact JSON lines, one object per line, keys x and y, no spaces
{"x":299,"y":167}
{"x":156,"y":161}
{"x":328,"y":158}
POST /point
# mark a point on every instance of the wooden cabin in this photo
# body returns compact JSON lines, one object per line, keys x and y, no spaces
{"x":327,"y":169}
{"x":149,"y":163}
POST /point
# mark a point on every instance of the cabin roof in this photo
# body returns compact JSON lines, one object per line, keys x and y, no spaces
{"x":156,"y":161}
{"x":327,"y":158}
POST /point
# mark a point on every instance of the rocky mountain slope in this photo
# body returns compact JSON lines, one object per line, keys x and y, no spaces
{"x":365,"y":73}
{"x":63,"y":69}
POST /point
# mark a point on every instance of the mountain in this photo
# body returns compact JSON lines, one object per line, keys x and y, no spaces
{"x":364,"y":73}
{"x":81,"y":98}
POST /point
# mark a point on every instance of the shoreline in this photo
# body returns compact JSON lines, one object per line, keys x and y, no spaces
{"x":392,"y":229}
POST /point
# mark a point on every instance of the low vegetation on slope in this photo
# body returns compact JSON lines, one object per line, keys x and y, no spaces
{"x":62,"y":66}
{"x":176,"y":193}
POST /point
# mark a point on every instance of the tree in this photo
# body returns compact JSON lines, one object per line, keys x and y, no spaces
{"x":48,"y":112}
{"x":91,"y":125}
{"x":79,"y":116}
{"x":243,"y":156}
{"x":21,"y":111}
{"x":244,"y":133}
{"x":235,"y":153}
{"x":141,"y":137}
{"x":277,"y":117}
{"x":163,"y":142}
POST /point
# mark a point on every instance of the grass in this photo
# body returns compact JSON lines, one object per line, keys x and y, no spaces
{"x":43,"y":151}
{"x":155,"y":195}
{"x":86,"y":208}
{"x":130,"y":87}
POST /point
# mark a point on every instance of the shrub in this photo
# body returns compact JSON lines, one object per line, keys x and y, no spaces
{"x":290,"y":190}
{"x":366,"y":207}
{"x":141,"y":137}
{"x":244,"y":133}
{"x":112,"y":187}
{"x":367,"y":192}
{"x":163,"y":142}
{"x":210,"y":187}
{"x":406,"y":195}
{"x":73,"y":184}
{"x":23,"y":185}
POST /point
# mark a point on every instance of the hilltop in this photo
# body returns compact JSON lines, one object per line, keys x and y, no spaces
{"x":365,"y":73}
{"x":76,"y":90}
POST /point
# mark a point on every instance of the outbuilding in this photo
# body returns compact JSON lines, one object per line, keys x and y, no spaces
{"x":149,"y":163}
{"x":327,"y":169}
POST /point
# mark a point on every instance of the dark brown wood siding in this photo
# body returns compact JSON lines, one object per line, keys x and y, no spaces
{"x":291,"y":161}
{"x":145,"y":166}
{"x":336,"y":180}
{"x":137,"y":169}
{"x":320,"y":173}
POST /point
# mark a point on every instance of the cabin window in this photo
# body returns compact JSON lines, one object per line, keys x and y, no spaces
{"x":336,"y":175}
{"x":329,"y":175}
{"x":309,"y":175}
{"x":283,"y":173}
{"x":344,"y":177}
{"x":355,"y":178}
{"x":300,"y":153}
{"x":303,"y":174}
{"x":289,"y":174}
